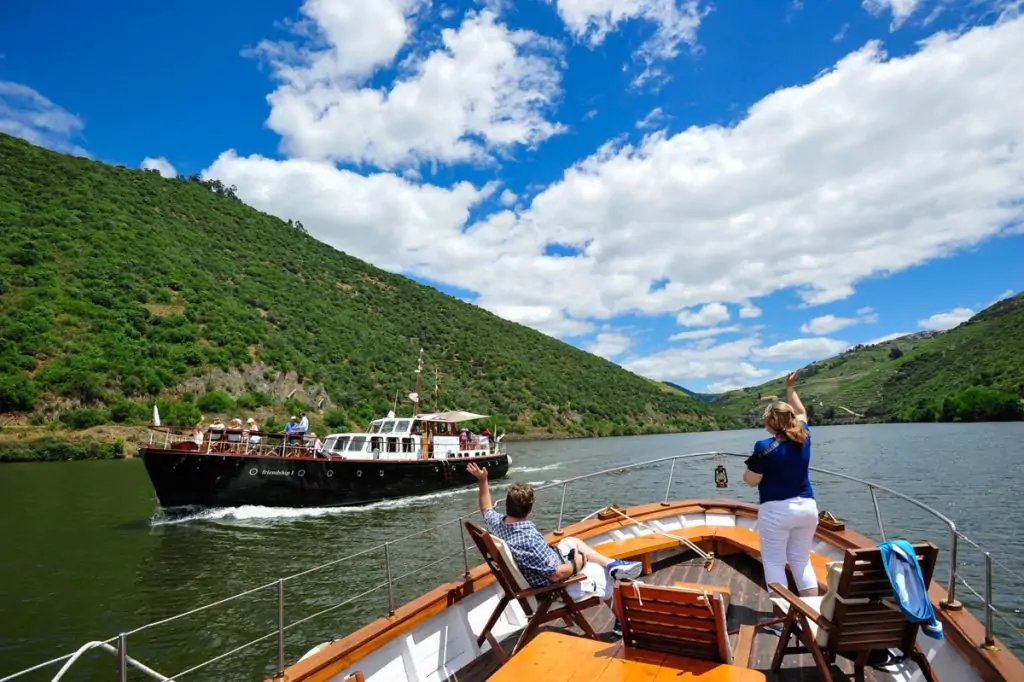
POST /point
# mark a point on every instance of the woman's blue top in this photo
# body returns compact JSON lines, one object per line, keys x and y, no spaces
{"x":783,"y":465}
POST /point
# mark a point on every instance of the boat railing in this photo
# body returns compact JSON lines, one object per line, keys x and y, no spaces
{"x":272,"y":444}
{"x":118,"y":645}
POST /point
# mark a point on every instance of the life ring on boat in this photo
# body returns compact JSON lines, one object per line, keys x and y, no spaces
{"x":330,"y":473}
{"x":301,"y":473}
{"x":253,"y":471}
{"x":381,"y":473}
{"x":359,"y":473}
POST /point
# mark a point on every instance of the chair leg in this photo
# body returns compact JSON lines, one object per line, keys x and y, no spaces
{"x":803,"y":630}
{"x":492,"y":620}
{"x":780,"y":650}
{"x":858,"y":665}
{"x":918,"y":656}
{"x":496,"y":648}
{"x":578,"y":617}
{"x":532,"y":626}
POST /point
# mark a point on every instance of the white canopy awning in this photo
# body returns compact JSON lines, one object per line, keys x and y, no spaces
{"x":451,"y":416}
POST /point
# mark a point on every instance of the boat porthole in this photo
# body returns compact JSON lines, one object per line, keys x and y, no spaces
{"x":359,"y":473}
{"x":381,"y":473}
{"x":330,"y":473}
{"x":301,"y":472}
{"x":253,"y":471}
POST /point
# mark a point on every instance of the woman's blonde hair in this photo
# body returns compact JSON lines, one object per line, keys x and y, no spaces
{"x":780,"y":417}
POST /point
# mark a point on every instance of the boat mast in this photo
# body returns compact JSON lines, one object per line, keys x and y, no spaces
{"x":419,"y":385}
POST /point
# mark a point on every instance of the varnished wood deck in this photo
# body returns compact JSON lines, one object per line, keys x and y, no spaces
{"x":749,"y":605}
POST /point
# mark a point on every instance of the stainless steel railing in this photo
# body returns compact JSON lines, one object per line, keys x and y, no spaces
{"x":384,"y":550}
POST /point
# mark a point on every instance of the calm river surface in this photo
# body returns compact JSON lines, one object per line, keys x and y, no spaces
{"x":84,"y":553}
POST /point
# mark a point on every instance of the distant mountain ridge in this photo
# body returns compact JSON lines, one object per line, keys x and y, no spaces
{"x":974,"y":372}
{"x":703,"y":397}
{"x":119,"y":288}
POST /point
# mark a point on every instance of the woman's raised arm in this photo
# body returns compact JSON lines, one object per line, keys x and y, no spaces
{"x":793,"y":399}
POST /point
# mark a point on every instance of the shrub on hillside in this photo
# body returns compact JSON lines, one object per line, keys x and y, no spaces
{"x":215,"y":401}
{"x":126,"y":411}
{"x":84,"y":419}
{"x":17,"y":394}
{"x":980,"y":403}
{"x":180,"y":414}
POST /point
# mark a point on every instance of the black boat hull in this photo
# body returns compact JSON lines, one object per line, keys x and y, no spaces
{"x":183,"y":478}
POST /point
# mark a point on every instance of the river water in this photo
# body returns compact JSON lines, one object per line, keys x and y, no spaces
{"x":85,"y":554}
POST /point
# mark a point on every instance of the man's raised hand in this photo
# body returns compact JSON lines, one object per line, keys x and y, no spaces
{"x":476,"y":472}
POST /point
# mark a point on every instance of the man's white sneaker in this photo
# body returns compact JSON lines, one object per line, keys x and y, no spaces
{"x":625,"y":570}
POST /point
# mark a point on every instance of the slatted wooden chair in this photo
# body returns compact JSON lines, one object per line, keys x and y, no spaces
{"x":854,"y":617}
{"x":540,"y":604}
{"x":681,"y":620}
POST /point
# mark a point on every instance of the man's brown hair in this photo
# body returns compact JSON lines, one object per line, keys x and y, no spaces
{"x":519,"y":501}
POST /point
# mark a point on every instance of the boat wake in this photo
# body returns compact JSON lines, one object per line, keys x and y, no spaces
{"x":529,"y":470}
{"x":259,"y":515}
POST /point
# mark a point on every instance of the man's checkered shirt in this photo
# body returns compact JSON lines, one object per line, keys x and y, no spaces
{"x":535,"y":559}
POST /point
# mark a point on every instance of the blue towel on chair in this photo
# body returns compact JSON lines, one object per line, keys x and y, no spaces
{"x":900,"y":562}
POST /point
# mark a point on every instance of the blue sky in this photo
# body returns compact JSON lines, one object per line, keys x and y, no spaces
{"x":703,"y":193}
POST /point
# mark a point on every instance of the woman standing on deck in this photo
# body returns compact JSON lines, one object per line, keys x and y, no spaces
{"x":787,"y":515}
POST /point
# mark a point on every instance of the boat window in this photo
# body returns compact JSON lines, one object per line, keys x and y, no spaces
{"x":341,"y":444}
{"x":375,"y":427}
{"x":402,"y":426}
{"x":386,"y":427}
{"x":417,"y":427}
{"x":375,"y":444}
{"x":356,"y":444}
{"x":392,"y":445}
{"x":329,"y":444}
{"x":407,"y":445}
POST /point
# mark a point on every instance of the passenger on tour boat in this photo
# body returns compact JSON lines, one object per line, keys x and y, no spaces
{"x":197,"y":435}
{"x":216,"y":426}
{"x":485,"y":438}
{"x":252,"y":431}
{"x":313,"y":443}
{"x":464,"y":439}
{"x":303,"y":423}
{"x":787,"y":515}
{"x":541,"y":564}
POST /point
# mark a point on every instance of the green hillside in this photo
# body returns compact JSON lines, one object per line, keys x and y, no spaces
{"x":119,"y":287}
{"x":974,"y":372}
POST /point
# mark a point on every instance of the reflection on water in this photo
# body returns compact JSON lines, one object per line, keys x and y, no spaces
{"x":93,"y":557}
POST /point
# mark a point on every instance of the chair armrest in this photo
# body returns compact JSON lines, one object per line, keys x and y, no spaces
{"x":534,"y":591}
{"x":800,"y":605}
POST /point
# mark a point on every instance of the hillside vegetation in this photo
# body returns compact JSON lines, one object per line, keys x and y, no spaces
{"x":119,"y":288}
{"x":974,"y":372}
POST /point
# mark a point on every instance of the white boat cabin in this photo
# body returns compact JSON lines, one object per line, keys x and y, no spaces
{"x":422,"y":436}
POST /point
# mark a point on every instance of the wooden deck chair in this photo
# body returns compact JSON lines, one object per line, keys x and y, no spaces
{"x":685,"y":621}
{"x":355,"y":677}
{"x":538,"y":603}
{"x":856,"y":615}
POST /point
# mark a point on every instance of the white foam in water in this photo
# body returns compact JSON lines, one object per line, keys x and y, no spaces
{"x":546,"y":467}
{"x":258,"y":514}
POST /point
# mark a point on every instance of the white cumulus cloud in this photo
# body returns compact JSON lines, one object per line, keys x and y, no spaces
{"x":749,"y":310}
{"x":806,"y":348}
{"x":703,"y":333}
{"x":610,"y":344}
{"x":946,"y":320}
{"x":826,"y":324}
{"x":901,"y":9}
{"x":160,"y":165}
{"x":676,"y":23}
{"x":485,"y":88}
{"x":707,"y":315}
{"x":27,"y":114}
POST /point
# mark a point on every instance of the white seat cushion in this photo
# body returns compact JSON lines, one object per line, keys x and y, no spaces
{"x":782,"y":606}
{"x":513,"y":568}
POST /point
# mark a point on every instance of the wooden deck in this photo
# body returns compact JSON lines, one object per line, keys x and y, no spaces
{"x":749,"y":605}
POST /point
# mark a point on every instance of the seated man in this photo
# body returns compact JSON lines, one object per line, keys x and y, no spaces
{"x":542,"y":565}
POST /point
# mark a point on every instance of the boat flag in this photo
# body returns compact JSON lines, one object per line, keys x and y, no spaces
{"x":156,"y":416}
{"x":414,"y":397}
